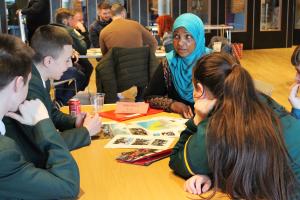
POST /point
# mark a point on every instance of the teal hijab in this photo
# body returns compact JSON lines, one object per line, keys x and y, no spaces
{"x":181,"y":68}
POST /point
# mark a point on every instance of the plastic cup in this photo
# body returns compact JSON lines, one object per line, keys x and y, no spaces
{"x":97,"y":101}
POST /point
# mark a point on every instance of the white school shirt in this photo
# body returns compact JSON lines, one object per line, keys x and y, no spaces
{"x":44,"y":83}
{"x":2,"y":128}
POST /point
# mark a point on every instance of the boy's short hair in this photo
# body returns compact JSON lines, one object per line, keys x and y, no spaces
{"x":295,"y":59}
{"x":63,"y":13}
{"x":49,"y":40}
{"x":15,"y":59}
{"x":117,"y":9}
{"x":103,"y":5}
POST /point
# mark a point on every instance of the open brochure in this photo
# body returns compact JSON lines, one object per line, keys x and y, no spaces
{"x":143,"y":156}
{"x":138,"y":141}
{"x":158,"y":126}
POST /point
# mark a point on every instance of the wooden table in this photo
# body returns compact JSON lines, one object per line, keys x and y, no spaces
{"x":103,"y":178}
{"x":223,"y":28}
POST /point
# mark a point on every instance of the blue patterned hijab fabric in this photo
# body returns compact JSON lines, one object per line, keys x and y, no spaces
{"x":181,"y":68}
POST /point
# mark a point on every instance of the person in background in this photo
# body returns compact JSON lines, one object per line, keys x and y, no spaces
{"x":65,"y":18}
{"x":171,"y":87}
{"x":83,"y":69}
{"x":103,"y":19}
{"x":125,"y":33}
{"x":165,"y":24}
{"x":294,"y":98}
{"x":37,"y":14}
{"x":245,"y":140}
{"x":20,"y":178}
{"x":78,"y":25}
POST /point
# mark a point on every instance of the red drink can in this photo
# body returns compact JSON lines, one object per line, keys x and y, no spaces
{"x":74,"y":107}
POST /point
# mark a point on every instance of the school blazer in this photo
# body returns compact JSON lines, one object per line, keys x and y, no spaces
{"x":21,"y":179}
{"x":74,"y":137}
{"x":189,"y":155}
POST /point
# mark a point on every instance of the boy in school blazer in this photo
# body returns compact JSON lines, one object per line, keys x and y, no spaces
{"x":20,"y":178}
{"x":53,"y":51}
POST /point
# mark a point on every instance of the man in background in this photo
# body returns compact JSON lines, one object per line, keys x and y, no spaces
{"x":104,"y":18}
{"x":125,"y":33}
{"x":83,"y":69}
{"x":37,"y":14}
{"x":79,"y":25}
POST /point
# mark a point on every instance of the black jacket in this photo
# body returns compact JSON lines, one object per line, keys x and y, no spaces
{"x":95,"y":29}
{"x":79,"y":43}
{"x":37,"y":14}
{"x":122,"y":68}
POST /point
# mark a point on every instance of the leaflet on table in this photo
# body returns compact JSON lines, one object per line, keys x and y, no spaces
{"x":160,"y":126}
{"x":109,"y":130}
{"x":131,"y":108}
{"x":143,"y":156}
{"x":138,"y":141}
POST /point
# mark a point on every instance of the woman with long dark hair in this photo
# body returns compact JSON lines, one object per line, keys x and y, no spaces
{"x":243,"y":139}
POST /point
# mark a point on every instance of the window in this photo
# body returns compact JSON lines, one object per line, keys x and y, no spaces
{"x":157,"y":8}
{"x":76,"y":5}
{"x":270,"y":17}
{"x":236,"y":14}
{"x":297,"y":15}
{"x":12,"y":19}
{"x":200,"y":8}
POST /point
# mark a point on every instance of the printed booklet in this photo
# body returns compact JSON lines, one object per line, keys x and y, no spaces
{"x":158,"y":126}
{"x":139,"y":141}
{"x":143,"y":156}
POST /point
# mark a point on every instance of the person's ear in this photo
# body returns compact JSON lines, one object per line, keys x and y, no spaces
{"x":47,"y":61}
{"x":124,"y":14}
{"x":18,"y":83}
{"x":199,"y":88}
{"x":65,"y":21}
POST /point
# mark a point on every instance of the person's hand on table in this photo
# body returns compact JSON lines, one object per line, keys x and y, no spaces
{"x":294,"y":99}
{"x":80,"y":119}
{"x":30,"y":112}
{"x":197,"y":184}
{"x":182,"y":109}
{"x":93,"y":124}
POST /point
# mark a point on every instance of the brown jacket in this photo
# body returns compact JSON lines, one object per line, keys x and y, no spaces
{"x":127,"y":34}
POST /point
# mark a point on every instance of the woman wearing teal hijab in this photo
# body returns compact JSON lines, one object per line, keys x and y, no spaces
{"x":171,"y":87}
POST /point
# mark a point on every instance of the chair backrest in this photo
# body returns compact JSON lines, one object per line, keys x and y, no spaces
{"x":264,"y":87}
{"x":225,"y":44}
{"x":122,"y":68}
{"x":56,"y":83}
{"x":63,"y":90}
